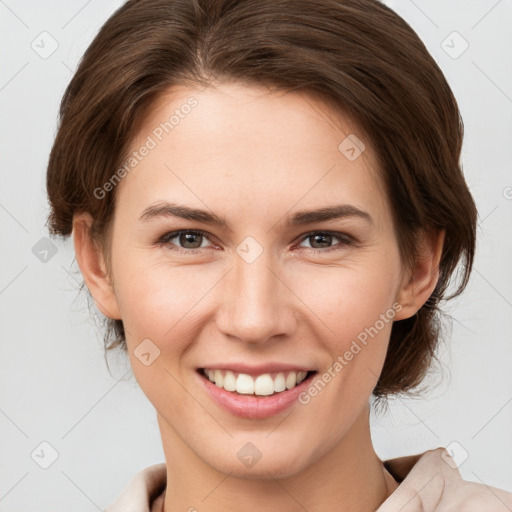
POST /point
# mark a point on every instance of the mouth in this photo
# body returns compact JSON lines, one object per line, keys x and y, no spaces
{"x":262,"y":385}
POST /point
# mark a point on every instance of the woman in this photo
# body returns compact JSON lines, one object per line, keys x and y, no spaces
{"x":308,"y":151}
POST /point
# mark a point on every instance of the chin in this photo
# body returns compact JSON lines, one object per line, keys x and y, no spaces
{"x":259,"y":459}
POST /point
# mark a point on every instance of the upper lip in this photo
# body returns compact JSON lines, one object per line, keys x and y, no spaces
{"x":258,"y":369}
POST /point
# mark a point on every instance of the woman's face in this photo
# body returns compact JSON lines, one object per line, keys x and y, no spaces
{"x":272,"y":288}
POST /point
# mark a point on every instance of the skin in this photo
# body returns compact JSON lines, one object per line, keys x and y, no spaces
{"x":254,"y":157}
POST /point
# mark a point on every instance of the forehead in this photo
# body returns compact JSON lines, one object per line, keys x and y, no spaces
{"x":272,"y":146}
{"x":274,"y":117}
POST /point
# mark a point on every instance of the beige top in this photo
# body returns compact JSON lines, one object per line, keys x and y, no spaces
{"x":428,"y":482}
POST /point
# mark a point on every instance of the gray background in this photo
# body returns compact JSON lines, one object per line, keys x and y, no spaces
{"x":100,"y":430}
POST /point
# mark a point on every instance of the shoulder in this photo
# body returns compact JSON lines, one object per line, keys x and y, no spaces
{"x":143,"y":493}
{"x":479,"y":497}
{"x":431,"y":482}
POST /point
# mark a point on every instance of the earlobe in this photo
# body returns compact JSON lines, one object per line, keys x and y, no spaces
{"x":92,"y":265}
{"x":421,"y":281}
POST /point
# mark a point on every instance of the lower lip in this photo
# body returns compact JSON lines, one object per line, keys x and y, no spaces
{"x":252,"y":406}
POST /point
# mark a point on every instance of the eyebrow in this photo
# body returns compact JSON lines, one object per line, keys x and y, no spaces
{"x":166,"y":209}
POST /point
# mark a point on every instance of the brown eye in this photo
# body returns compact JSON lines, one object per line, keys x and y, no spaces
{"x":324,"y":239}
{"x":190,"y":240}
{"x":185,"y":241}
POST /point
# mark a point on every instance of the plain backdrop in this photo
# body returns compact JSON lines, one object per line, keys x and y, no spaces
{"x":71,"y":434}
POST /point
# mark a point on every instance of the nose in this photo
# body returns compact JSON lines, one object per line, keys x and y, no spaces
{"x":257,"y":304}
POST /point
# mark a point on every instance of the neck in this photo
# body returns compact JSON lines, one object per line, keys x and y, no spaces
{"x":349,"y":476}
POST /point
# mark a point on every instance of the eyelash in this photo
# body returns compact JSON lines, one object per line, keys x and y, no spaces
{"x":345,"y":240}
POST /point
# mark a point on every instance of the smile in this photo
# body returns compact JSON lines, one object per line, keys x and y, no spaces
{"x":265,"y":384}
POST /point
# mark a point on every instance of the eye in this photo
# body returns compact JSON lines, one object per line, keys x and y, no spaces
{"x":190,"y":240}
{"x":324,"y":238}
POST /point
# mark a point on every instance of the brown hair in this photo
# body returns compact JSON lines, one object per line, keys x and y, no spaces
{"x":357,"y":55}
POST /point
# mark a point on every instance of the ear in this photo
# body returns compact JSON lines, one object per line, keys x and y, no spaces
{"x":419,"y":282}
{"x":92,"y":265}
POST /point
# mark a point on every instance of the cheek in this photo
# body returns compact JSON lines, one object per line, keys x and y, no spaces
{"x":355,"y":306}
{"x":155,"y":299}
{"x":160,"y":304}
{"x":348,"y":299}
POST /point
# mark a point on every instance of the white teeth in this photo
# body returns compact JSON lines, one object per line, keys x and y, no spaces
{"x":262,"y":385}
{"x":291,"y":380}
{"x":218,"y":378}
{"x":229,"y":381}
{"x":279,"y":382}
{"x":244,"y":384}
